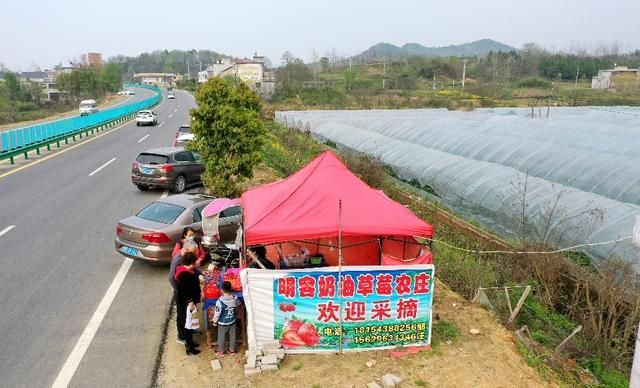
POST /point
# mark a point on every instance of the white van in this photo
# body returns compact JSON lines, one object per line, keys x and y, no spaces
{"x":88,"y":107}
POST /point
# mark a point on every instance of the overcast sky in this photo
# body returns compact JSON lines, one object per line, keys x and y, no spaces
{"x":46,"y":32}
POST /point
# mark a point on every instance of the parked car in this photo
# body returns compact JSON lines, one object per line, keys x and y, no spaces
{"x":130,"y":92}
{"x":183,"y":139}
{"x":88,"y":107}
{"x":170,"y":168}
{"x":153,"y":232}
{"x":184,"y":129}
{"x":222,"y":227}
{"x":146,"y":117}
{"x":171,"y":96}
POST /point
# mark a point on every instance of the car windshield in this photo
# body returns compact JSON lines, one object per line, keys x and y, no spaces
{"x":152,"y":159}
{"x":184,"y":129}
{"x":162,"y":212}
{"x":145,"y":113}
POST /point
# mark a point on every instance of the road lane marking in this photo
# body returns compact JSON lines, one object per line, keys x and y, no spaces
{"x":70,"y":148}
{"x":165,"y":194}
{"x":170,"y":115}
{"x":175,"y":110}
{"x":6,"y":230}
{"x":74,"y":359}
{"x":161,"y":124}
{"x":103,"y":166}
{"x":144,"y":137}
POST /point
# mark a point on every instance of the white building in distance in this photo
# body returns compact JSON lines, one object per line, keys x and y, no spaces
{"x":606,"y":78}
{"x":251,"y":71}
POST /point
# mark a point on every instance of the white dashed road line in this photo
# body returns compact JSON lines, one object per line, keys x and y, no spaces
{"x":6,"y":230}
{"x":170,"y":115}
{"x":144,"y":137}
{"x":103,"y":166}
{"x":70,"y":366}
{"x":161,"y":124}
{"x":77,"y":354}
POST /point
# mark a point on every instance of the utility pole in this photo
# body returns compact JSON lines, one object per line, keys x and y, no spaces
{"x":384,"y":70}
{"x":464,"y":72}
{"x":577,"y":73}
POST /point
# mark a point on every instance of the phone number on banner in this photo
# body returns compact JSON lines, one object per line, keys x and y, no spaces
{"x":414,"y":337}
{"x":398,"y":328}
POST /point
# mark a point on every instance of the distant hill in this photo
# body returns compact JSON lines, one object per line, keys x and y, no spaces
{"x":478,"y":48}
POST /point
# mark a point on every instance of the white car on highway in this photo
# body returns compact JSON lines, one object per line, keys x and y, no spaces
{"x":88,"y":107}
{"x":183,"y":139}
{"x":146,"y":117}
{"x":171,"y":96}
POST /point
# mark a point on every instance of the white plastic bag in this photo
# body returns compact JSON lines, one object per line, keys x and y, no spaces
{"x":192,"y":323}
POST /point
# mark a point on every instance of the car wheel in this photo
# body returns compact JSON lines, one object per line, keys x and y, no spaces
{"x":180,"y":184}
{"x":137,"y":124}
{"x":142,"y":187}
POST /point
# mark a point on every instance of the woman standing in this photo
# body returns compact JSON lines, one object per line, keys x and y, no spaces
{"x":189,"y":238}
{"x":188,"y":287}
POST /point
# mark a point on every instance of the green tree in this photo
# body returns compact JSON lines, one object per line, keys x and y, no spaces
{"x":324,"y":62}
{"x":35,"y":92}
{"x":111,"y":75}
{"x":88,"y":82}
{"x":228,"y":133}
{"x":14,"y":88}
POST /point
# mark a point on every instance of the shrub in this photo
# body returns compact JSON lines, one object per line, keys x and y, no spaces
{"x":464,"y":272}
{"x":368,"y":168}
{"x":444,"y":331}
{"x":609,"y":378}
{"x":535,"y":83}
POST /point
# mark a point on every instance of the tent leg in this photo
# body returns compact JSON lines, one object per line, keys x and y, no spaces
{"x":404,"y":248}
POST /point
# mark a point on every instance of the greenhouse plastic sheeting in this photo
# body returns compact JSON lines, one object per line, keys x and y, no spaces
{"x":580,"y":159}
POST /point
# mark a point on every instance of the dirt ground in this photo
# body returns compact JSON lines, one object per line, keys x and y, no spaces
{"x":488,"y":359}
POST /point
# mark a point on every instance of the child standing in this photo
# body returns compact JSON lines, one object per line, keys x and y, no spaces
{"x":225,"y":318}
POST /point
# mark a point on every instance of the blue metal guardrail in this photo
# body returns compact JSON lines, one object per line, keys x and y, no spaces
{"x":20,"y":141}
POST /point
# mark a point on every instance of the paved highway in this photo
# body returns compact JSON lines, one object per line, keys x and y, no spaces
{"x":57,"y":224}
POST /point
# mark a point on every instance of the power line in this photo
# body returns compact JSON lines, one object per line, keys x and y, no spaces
{"x":528,"y":253}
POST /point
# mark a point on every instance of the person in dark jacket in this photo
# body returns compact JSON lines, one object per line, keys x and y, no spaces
{"x":181,"y":308}
{"x":189,"y":293}
{"x":259,"y":254}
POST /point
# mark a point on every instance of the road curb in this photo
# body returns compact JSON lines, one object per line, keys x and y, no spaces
{"x":157,"y":366}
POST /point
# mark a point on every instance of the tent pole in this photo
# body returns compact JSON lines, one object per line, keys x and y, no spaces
{"x":243,"y":250}
{"x":380,"y":242}
{"x":404,"y":248}
{"x":340,"y":268}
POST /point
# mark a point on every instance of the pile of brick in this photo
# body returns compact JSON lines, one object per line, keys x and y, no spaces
{"x":263,"y":360}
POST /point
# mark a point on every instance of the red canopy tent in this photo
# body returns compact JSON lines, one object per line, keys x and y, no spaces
{"x":304,"y":209}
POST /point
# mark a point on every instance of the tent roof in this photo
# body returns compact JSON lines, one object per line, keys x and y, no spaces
{"x":305,"y":206}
